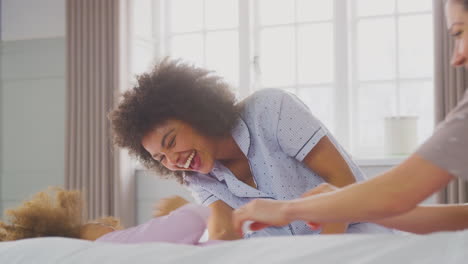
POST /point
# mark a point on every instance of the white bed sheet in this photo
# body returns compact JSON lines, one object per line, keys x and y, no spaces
{"x":450,"y":247}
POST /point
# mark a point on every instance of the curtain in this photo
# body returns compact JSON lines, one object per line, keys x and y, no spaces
{"x":450,"y":85}
{"x":96,"y":72}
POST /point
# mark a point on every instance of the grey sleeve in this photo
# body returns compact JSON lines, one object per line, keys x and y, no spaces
{"x":447,"y":148}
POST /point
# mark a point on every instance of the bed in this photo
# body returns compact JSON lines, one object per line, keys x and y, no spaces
{"x":448,"y":247}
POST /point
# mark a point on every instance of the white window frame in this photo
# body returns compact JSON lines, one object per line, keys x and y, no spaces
{"x":345,"y":82}
{"x":340,"y":81}
{"x":353,"y":20}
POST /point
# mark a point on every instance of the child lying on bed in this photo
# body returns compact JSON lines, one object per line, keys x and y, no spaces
{"x":58,"y":212}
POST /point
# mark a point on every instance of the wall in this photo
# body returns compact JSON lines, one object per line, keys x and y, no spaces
{"x":32,"y":98}
{"x":32,"y":19}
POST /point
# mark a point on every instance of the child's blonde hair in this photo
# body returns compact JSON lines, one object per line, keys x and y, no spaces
{"x":55,"y":212}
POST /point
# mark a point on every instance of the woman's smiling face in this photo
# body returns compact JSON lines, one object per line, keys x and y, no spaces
{"x":179,"y":147}
{"x":457,"y":23}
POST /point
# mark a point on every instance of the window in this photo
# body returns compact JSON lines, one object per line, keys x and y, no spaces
{"x":353,"y":62}
{"x":295,"y":49}
{"x":205,"y":32}
{"x":392,"y":67}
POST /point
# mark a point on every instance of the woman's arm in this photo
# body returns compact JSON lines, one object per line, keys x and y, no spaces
{"x":421,"y":220}
{"x":431,"y":218}
{"x":220,"y":225}
{"x":325,"y":160}
{"x":395,"y":192}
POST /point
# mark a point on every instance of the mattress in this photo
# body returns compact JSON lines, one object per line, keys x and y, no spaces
{"x":444,"y":247}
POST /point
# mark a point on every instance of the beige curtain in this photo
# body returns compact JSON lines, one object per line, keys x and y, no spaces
{"x":96,"y":59}
{"x":450,"y":85}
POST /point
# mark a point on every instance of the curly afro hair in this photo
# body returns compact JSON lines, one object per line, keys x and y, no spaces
{"x":172,"y":90}
{"x":53,"y":213}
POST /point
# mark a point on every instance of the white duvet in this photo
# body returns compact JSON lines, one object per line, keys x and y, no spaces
{"x":385,"y":248}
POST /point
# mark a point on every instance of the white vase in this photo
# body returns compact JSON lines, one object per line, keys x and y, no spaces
{"x":400,"y":135}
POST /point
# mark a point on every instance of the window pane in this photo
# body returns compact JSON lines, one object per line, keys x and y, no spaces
{"x":320,"y":102}
{"x":188,"y":47}
{"x":416,"y":46}
{"x":222,"y":55}
{"x":374,"y":103}
{"x":221,"y":14}
{"x":376,"y":7}
{"x":143,"y":18}
{"x":142,"y":58}
{"x":315,"y":53}
{"x":376,"y":49}
{"x":186,"y":15}
{"x":277,"y":56}
{"x":417,"y":99}
{"x":310,"y":10}
{"x":276,"y":11}
{"x":414,"y":5}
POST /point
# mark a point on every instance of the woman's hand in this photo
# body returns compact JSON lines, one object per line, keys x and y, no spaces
{"x":263,"y":212}
{"x":322,"y":188}
{"x":266,"y":212}
{"x":166,"y":205}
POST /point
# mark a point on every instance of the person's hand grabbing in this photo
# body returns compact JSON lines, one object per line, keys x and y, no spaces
{"x":262,"y":212}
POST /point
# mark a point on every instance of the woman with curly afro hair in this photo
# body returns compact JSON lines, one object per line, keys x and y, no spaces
{"x":183,"y":121}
